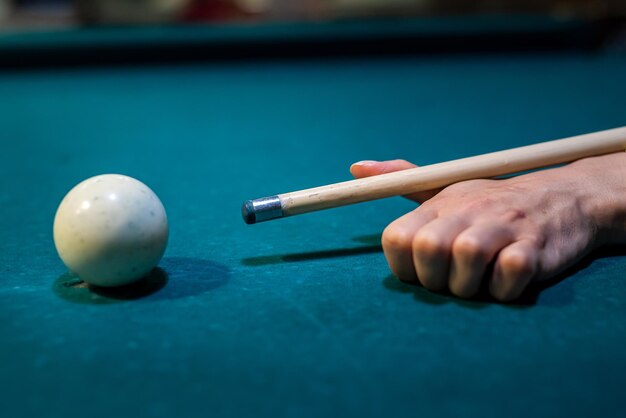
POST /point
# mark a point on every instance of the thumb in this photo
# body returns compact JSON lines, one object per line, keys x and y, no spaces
{"x":374,"y":168}
{"x":369,"y":168}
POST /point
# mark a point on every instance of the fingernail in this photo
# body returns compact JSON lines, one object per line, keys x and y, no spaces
{"x":365,"y":162}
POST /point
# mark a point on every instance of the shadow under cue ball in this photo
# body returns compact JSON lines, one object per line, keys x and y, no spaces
{"x":110,"y":230}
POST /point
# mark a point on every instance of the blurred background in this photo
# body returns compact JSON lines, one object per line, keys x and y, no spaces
{"x":36,"y":14}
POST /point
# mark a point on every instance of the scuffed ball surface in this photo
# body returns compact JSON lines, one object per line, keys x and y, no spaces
{"x":111,"y":230}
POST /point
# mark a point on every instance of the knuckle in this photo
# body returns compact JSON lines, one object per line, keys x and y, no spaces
{"x":469,"y":248}
{"x":429,"y":245}
{"x":512,"y":215}
{"x":395,"y":238}
{"x":517,"y":264}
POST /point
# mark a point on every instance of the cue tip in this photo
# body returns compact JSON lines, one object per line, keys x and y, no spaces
{"x":260,"y":210}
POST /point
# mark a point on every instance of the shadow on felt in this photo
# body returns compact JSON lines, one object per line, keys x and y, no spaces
{"x":175,"y":278}
{"x":372,"y":241}
{"x":545,"y":293}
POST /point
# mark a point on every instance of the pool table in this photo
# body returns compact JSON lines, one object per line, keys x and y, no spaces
{"x":298,"y":317}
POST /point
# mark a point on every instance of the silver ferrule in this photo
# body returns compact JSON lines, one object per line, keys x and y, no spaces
{"x":263,"y":209}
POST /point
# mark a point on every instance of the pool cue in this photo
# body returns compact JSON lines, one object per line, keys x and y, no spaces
{"x":435,"y":176}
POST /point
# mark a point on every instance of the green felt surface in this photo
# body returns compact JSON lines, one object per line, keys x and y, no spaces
{"x":296,"y":317}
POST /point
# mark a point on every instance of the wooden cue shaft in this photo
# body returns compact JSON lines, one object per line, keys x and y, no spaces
{"x":439,"y":175}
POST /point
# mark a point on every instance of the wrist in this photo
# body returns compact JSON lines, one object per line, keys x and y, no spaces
{"x":602,"y":193}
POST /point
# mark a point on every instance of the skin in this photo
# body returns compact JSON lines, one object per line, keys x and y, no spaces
{"x":505,"y":232}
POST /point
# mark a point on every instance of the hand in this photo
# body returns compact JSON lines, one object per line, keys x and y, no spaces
{"x":507,"y":232}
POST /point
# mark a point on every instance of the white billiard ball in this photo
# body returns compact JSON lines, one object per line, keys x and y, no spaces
{"x":110,"y":230}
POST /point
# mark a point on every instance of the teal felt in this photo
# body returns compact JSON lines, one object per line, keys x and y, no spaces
{"x":300,"y":316}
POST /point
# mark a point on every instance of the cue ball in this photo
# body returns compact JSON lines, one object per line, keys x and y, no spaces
{"x":110,"y":230}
